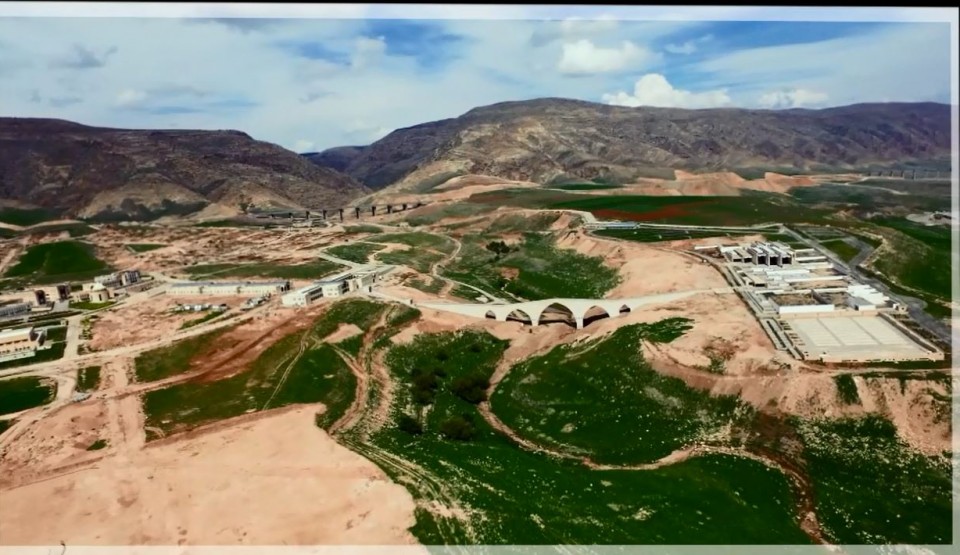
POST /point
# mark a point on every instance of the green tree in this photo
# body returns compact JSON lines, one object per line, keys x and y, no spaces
{"x":458,"y":428}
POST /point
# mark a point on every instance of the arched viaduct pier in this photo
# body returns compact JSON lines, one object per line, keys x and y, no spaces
{"x":534,"y":312}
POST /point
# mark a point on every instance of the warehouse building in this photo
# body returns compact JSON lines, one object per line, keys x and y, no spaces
{"x":336,"y":286}
{"x":14,"y":309}
{"x":228,"y":288}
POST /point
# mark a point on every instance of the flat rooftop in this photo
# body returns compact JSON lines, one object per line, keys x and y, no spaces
{"x":854,"y":337}
{"x":227,"y":283}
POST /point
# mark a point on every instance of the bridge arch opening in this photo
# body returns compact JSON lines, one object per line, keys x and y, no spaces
{"x":518,"y":315}
{"x":557,"y":313}
{"x":490,"y":315}
{"x":624,"y":309}
{"x":595,"y":313}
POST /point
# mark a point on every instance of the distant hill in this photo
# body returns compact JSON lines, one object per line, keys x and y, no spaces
{"x":547,"y":139}
{"x":93,"y":172}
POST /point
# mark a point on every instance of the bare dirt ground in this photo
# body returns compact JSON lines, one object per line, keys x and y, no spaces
{"x":187,"y":246}
{"x":645,"y":269}
{"x":268,"y":480}
{"x":131,"y":323}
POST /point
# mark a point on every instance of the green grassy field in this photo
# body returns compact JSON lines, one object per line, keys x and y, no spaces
{"x":60,"y":261}
{"x":173,"y":359}
{"x":299,"y":368}
{"x":17,"y":394}
{"x":544,"y":271}
{"x":88,"y":378}
{"x":201,"y":320}
{"x":362,"y":228}
{"x":651,"y":235}
{"x":144,"y":247}
{"x":310,"y":270}
{"x":86,"y":305}
{"x":419,"y":239}
{"x":75,"y":230}
{"x":841,"y":248}
{"x":417,"y":259}
{"x":355,"y":252}
{"x":871,"y":488}
{"x":585,"y":400}
{"x":433,"y":214}
{"x":58,"y":333}
{"x":585,"y":186}
{"x":25,"y":217}
{"x":916,"y":264}
{"x":511,"y":223}
{"x":430,"y":285}
{"x":514,"y":496}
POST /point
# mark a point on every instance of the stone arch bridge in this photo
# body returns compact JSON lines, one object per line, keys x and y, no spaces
{"x":581,"y":310}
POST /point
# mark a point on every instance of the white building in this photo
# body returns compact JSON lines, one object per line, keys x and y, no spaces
{"x":867,"y":293}
{"x":19,"y":343}
{"x":99,"y":294}
{"x":303,"y":296}
{"x":228,"y":288}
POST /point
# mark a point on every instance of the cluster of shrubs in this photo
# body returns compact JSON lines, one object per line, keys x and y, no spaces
{"x":425,"y":383}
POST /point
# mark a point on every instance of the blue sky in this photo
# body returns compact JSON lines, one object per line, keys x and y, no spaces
{"x":309,"y":84}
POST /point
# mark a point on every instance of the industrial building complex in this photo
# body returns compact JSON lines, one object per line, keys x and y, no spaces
{"x":815,"y":310}
{"x":360,"y":279}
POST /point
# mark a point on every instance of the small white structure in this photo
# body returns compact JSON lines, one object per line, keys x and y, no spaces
{"x":99,"y":294}
{"x":861,"y":304}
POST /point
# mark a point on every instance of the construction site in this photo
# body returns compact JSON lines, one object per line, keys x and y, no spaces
{"x":814,"y":310}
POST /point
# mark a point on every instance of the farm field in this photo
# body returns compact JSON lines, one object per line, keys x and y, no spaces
{"x":17,"y":394}
{"x":749,"y":209}
{"x":60,"y":261}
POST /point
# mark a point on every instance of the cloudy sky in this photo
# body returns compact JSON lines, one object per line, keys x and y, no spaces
{"x":310,"y":84}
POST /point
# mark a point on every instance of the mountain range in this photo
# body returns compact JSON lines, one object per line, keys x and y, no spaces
{"x":102,"y":173}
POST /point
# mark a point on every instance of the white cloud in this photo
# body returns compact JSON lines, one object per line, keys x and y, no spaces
{"x":653,"y":89}
{"x":578,"y":25}
{"x":585,"y":58}
{"x":303,"y":145}
{"x":130,"y":97}
{"x":796,"y":98}
{"x":688,"y":47}
{"x":293,"y":98}
{"x":367,"y":52}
